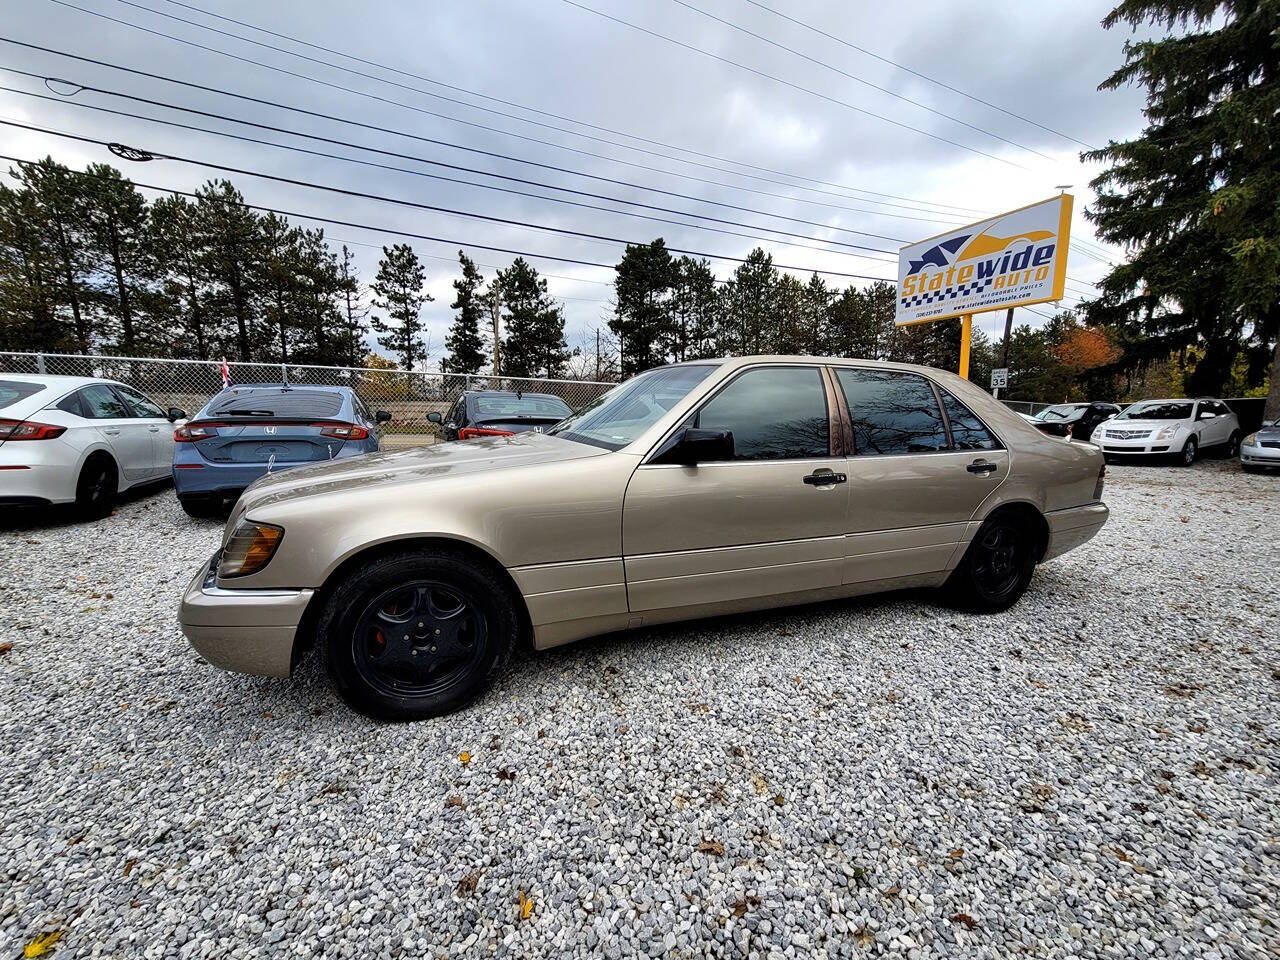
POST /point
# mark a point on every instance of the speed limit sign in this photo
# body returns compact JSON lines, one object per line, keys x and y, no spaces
{"x":1000,"y":378}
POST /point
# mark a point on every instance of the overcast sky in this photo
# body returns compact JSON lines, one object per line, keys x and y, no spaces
{"x":807,"y":154}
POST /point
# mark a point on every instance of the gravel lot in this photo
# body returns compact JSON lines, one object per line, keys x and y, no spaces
{"x":1092,"y":774}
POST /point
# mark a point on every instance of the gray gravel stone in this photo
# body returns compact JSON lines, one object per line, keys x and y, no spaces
{"x":1093,"y":774}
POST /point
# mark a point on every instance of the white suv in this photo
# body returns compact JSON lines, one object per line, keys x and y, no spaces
{"x":1170,"y":428}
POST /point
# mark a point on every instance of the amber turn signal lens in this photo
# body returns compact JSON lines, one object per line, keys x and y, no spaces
{"x":250,"y":548}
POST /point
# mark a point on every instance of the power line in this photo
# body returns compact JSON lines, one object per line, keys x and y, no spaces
{"x":421,"y":173}
{"x":776,"y":79}
{"x":462,"y":147}
{"x":916,"y":73}
{"x":505,"y":221}
{"x":851,"y":76}
{"x":481,"y":126}
{"x":545,"y":113}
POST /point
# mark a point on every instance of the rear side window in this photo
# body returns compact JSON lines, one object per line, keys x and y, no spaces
{"x":892,"y":412}
{"x":100,"y":402}
{"x":777,"y":413}
{"x":11,"y":391}
{"x":141,"y":405}
{"x":967,"y":431}
{"x":286,"y":404}
{"x":71,"y":404}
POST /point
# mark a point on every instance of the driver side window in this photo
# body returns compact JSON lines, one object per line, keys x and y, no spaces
{"x":774,"y":413}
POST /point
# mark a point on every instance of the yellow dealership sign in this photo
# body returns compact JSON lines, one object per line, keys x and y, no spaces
{"x":1011,"y":260}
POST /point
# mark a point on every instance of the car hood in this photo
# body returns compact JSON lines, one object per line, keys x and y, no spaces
{"x":1139,"y":424}
{"x":392,"y":469}
{"x":1269,"y":433}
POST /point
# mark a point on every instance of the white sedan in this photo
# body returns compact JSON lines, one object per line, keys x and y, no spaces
{"x":79,"y":440}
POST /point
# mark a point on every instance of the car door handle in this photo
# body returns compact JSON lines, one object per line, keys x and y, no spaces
{"x":982,"y":466}
{"x":112,"y":433}
{"x":824,"y":478}
{"x":155,"y":429}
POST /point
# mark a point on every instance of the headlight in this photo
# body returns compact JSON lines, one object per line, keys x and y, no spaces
{"x":250,"y":548}
{"x":1168,"y":433}
{"x":1250,"y":440}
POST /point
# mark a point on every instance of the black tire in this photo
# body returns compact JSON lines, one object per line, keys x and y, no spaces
{"x":96,"y":487}
{"x":997,"y":567}
{"x":203,"y":508}
{"x":460,"y":622}
{"x":1188,"y":455}
{"x":1232,"y":449}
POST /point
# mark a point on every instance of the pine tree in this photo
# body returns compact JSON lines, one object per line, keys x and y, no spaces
{"x":281,"y":267}
{"x":118,"y":235}
{"x":464,"y":343}
{"x":60,"y":209}
{"x":535,"y":344}
{"x":695,"y":311}
{"x":398,"y":289}
{"x":642,"y":319}
{"x":28,"y":275}
{"x":354,"y":313}
{"x":1194,"y":195}
{"x":176,"y":252}
{"x":230,"y":236}
{"x":749,"y":305}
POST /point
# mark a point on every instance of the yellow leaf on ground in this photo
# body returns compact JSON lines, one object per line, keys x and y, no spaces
{"x":526,"y":906}
{"x":42,"y":944}
{"x":464,"y":757}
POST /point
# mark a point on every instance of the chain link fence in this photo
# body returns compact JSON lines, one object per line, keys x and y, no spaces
{"x":407,"y":395}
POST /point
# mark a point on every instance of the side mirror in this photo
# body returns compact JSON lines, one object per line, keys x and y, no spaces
{"x":432,"y":418}
{"x":382,"y":416}
{"x":693,"y":446}
{"x":176,"y":413}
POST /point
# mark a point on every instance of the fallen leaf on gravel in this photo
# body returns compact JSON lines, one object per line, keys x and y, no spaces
{"x":759,"y":783}
{"x":5,"y":648}
{"x":741,"y":905}
{"x":467,"y":885}
{"x":455,"y":801}
{"x":892,"y":892}
{"x":957,"y":853}
{"x":42,"y":944}
{"x":129,"y":865}
{"x":464,"y":757}
{"x":1187,"y":690}
{"x":526,"y":906}
{"x":864,"y":937}
{"x":964,"y":918}
{"x":541,"y":734}
{"x":779,"y":799}
{"x":713,"y":847}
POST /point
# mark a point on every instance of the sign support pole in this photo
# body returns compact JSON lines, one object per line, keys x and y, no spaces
{"x":966,"y":335}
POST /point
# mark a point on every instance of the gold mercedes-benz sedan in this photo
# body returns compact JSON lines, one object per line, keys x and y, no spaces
{"x":701,"y":488}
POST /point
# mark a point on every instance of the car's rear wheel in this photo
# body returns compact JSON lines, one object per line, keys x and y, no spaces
{"x":417,"y":634}
{"x":96,"y":487}
{"x":997,"y":567}
{"x":1188,"y":455}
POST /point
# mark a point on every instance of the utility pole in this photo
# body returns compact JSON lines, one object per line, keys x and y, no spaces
{"x":1004,"y":353}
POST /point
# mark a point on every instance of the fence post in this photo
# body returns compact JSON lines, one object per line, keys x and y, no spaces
{"x":40,"y":364}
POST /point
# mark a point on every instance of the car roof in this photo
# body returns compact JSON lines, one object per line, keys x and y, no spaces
{"x":512,"y":393}
{"x":56,"y":379}
{"x":283,"y":387}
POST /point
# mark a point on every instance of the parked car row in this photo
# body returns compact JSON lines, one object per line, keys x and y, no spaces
{"x":1177,"y":429}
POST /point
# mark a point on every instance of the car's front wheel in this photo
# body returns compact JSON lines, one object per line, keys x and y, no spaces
{"x":417,"y":634}
{"x":1188,"y":455}
{"x":1233,"y":445}
{"x":997,"y":567}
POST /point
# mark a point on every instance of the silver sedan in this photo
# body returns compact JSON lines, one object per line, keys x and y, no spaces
{"x":1261,"y":449}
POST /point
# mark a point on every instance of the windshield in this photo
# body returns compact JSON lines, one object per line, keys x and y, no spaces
{"x":631,"y":408}
{"x":11,"y":391}
{"x":1063,"y":411}
{"x":1157,"y":410}
{"x":513,"y":406}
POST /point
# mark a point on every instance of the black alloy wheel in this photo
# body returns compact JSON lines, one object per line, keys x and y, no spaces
{"x":1233,"y":444}
{"x":419,"y":633}
{"x":417,"y":639}
{"x":996,"y":568}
